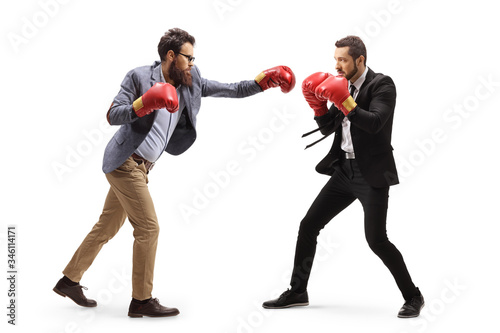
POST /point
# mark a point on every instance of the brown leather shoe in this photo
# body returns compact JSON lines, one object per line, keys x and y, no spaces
{"x":153,"y":308}
{"x":75,"y":293}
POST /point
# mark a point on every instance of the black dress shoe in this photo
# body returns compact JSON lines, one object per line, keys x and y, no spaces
{"x":287,"y":300}
{"x":411,"y":308}
{"x":75,"y":293}
{"x":153,"y":308}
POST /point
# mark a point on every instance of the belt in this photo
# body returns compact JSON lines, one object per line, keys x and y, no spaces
{"x":147,"y":164}
{"x":349,"y":156}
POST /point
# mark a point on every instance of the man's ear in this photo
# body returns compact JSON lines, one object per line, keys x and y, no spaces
{"x":170,"y":55}
{"x":361,"y":60}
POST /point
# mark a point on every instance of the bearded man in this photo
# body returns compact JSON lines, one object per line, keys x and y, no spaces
{"x":156,"y":109}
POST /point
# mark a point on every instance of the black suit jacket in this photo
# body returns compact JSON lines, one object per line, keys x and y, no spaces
{"x":371,"y":130}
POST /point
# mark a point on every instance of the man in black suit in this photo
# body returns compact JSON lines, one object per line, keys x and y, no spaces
{"x":360,"y":163}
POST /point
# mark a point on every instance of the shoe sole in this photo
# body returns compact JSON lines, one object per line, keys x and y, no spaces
{"x":408,"y":316}
{"x":139,"y":315}
{"x":413,"y":316}
{"x":285,"y":306}
{"x":57,"y":291}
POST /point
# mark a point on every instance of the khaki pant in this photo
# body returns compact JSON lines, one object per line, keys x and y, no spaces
{"x":128,"y":197}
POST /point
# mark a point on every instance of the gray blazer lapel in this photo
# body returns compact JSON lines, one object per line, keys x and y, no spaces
{"x":156,"y":74}
{"x":185,"y":101}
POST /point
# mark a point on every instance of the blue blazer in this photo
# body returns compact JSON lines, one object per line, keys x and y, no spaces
{"x":133,"y":130}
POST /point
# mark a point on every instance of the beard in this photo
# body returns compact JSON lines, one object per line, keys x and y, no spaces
{"x":179,"y":76}
{"x":350,"y":75}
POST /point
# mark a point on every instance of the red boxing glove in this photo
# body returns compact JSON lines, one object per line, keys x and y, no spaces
{"x":277,"y":76}
{"x":309,"y":86}
{"x":161,"y":95}
{"x":335,"y":89}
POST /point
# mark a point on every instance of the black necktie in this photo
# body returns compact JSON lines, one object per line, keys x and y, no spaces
{"x":352,"y":90}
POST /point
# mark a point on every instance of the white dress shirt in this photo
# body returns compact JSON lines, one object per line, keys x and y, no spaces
{"x":346,"y":144}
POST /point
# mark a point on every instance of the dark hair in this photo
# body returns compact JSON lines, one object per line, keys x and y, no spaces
{"x":173,"y":40}
{"x":356,"y":46}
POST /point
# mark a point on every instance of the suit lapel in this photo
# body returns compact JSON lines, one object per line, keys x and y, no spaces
{"x":156,"y":74}
{"x":369,"y":77}
{"x":155,"y":77}
{"x":185,"y":101}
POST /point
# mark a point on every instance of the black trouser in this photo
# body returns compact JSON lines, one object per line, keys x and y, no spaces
{"x":346,"y":185}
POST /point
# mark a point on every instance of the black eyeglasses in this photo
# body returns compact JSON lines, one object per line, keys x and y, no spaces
{"x":189,"y":58}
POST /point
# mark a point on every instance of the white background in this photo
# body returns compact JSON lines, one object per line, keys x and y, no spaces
{"x":218,"y":265}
